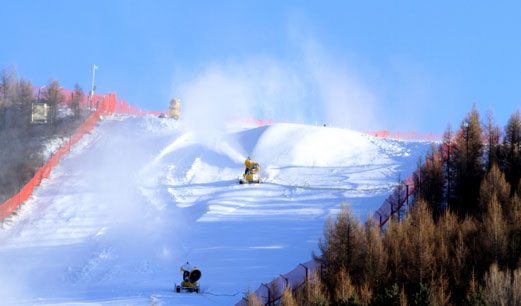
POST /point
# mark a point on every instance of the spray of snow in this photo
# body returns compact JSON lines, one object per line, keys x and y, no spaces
{"x":312,"y":88}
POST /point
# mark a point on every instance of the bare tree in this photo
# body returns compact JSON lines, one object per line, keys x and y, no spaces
{"x":513,"y":148}
{"x":493,"y":133}
{"x":24,"y":100}
{"x":54,"y":97}
{"x":7,"y":89}
{"x":76,"y":100}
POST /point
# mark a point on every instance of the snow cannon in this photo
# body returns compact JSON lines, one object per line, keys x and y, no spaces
{"x":174,"y":109}
{"x":250,"y":174}
{"x":190,"y":278}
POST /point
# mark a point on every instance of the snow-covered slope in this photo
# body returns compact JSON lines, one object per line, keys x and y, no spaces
{"x":138,"y":197}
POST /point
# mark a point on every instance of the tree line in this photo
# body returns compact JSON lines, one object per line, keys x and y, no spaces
{"x":459,"y":243}
{"x":21,"y":140}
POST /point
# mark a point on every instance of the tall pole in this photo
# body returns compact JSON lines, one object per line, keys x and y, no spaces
{"x":94,"y":67}
{"x":40,"y":88}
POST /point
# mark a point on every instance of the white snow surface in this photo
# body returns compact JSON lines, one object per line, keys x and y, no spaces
{"x":139,"y":196}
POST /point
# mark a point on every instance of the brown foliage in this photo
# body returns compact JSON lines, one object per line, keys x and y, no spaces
{"x":493,"y":133}
{"x":374,"y":255}
{"x":494,"y":183}
{"x":77,"y":98}
{"x":419,"y":247}
{"x":498,"y":286}
{"x":54,"y":97}
{"x":495,"y":231}
{"x":440,"y":290}
{"x":288,"y":299}
{"x":253,"y":301}
{"x":344,"y":287}
{"x":394,"y":240}
{"x":341,"y":246}
{"x":468,"y":166}
{"x":474,"y":241}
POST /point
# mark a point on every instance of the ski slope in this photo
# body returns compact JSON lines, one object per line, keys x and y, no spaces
{"x":139,"y":196}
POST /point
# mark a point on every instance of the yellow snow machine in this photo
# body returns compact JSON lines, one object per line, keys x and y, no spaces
{"x":250,"y":174}
{"x":190,"y":278}
{"x":174,"y":109}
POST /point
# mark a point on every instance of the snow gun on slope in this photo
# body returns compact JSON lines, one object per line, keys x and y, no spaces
{"x":250,"y":174}
{"x":190,"y":278}
{"x":174,"y":109}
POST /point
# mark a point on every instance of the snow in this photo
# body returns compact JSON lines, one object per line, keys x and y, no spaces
{"x":51,"y":146}
{"x":139,"y":196}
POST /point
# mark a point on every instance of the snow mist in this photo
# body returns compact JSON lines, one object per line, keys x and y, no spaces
{"x":312,"y":88}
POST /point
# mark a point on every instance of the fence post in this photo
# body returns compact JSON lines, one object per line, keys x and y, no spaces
{"x":287,"y":282}
{"x":306,"y":269}
{"x":268,"y":293}
{"x":407,"y":192}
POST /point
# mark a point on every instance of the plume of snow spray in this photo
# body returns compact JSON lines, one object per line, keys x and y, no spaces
{"x":314,"y":88}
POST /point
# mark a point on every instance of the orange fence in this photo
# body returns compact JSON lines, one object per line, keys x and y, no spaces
{"x":380,"y":134}
{"x":407,"y":135}
{"x":255,"y":122}
{"x":104,"y":105}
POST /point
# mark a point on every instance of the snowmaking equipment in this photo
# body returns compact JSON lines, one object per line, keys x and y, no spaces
{"x":173,"y":111}
{"x":250,"y":174}
{"x":190,"y":278}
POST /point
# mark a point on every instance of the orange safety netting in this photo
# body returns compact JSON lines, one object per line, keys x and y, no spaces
{"x":255,"y":122}
{"x":381,"y":134}
{"x":104,"y":105}
{"x":407,"y":135}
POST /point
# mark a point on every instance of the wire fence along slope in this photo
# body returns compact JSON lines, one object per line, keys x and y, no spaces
{"x":272,"y":292}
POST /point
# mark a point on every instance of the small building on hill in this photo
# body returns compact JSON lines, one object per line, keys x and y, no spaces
{"x":40,"y":112}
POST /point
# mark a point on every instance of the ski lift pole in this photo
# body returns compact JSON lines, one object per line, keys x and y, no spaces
{"x":94,"y":67}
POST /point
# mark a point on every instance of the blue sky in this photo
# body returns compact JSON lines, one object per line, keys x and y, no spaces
{"x":397,"y":65}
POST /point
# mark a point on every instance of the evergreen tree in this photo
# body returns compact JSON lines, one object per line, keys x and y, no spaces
{"x":352,"y":301}
{"x":319,"y":301}
{"x":422,"y":297}
{"x":476,"y":298}
{"x":391,"y":297}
